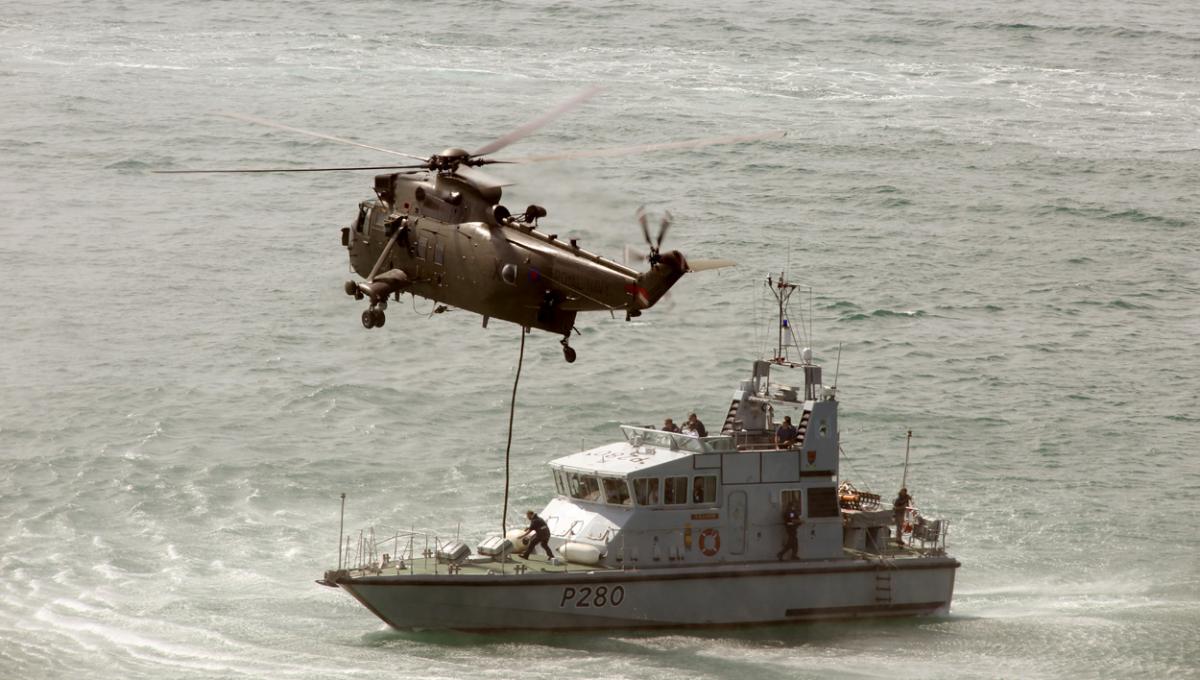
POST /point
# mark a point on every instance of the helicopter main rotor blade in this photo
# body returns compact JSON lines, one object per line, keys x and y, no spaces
{"x":480,"y":178}
{"x":363,"y":167}
{"x":528,"y":128}
{"x":647,"y":148}
{"x":318,"y":135}
{"x":705,"y":265}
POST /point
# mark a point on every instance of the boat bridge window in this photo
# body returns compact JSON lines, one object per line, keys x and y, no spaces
{"x":822,"y":502}
{"x":560,"y":484}
{"x":704,"y":489}
{"x":786,"y":498}
{"x":616,"y":491}
{"x":583,"y":487}
{"x":676,"y":490}
{"x":646,"y":491}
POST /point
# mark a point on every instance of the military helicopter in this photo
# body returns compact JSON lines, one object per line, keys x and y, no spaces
{"x":437,"y":229}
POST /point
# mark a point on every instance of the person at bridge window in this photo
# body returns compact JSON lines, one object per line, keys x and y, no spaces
{"x":785,"y":434}
{"x":694,"y":427}
{"x":670,"y":426}
{"x":791,"y":523}
{"x":537,"y":534}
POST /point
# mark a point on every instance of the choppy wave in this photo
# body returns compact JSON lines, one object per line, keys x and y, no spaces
{"x":995,"y":216}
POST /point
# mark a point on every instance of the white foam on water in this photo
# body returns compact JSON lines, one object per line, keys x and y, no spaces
{"x":186,"y":428}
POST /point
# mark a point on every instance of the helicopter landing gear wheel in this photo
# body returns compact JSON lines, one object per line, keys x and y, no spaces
{"x":568,"y":352}
{"x":380,"y":318}
{"x":368,"y":318}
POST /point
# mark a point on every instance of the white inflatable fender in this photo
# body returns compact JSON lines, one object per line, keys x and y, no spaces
{"x":519,"y":544}
{"x":580,"y":553}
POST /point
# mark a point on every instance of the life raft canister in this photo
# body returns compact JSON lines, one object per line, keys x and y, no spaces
{"x":710,"y":535}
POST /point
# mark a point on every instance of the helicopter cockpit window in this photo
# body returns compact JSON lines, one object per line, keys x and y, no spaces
{"x":362,"y":218}
{"x":616,"y":491}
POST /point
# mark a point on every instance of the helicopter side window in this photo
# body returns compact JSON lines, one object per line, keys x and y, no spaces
{"x":439,"y":253}
{"x":362,"y":218}
{"x":421,"y":248}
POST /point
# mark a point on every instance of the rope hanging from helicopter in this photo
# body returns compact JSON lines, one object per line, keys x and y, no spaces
{"x":512,"y":409}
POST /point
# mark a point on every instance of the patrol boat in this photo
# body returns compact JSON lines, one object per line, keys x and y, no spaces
{"x":671,"y":530}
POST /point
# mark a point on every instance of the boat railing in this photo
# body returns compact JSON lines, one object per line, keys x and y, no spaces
{"x":677,"y":441}
{"x":931,"y":533}
{"x":392,"y":551}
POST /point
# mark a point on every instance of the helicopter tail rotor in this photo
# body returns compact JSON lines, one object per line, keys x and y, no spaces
{"x":655,"y":244}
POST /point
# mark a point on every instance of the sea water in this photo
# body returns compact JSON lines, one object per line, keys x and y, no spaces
{"x":994,"y":205}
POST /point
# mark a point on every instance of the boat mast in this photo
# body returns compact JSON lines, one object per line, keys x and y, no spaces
{"x":782,"y":290}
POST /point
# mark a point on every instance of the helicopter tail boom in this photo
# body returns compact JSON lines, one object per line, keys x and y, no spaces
{"x":653,"y":284}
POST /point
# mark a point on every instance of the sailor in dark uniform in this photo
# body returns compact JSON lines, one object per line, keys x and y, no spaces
{"x":785,"y":434}
{"x":540,"y":535}
{"x":791,"y":523}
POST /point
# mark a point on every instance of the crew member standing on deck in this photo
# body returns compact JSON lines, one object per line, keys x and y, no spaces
{"x":791,"y":523}
{"x":540,"y":532}
{"x":785,"y":434}
{"x":899,"y":509}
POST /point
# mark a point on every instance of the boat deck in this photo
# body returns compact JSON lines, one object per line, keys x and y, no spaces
{"x":539,"y":563}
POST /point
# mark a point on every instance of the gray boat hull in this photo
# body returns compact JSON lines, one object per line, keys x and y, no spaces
{"x":684,"y":597}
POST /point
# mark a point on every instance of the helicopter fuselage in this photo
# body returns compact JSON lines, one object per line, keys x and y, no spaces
{"x":445,"y":237}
